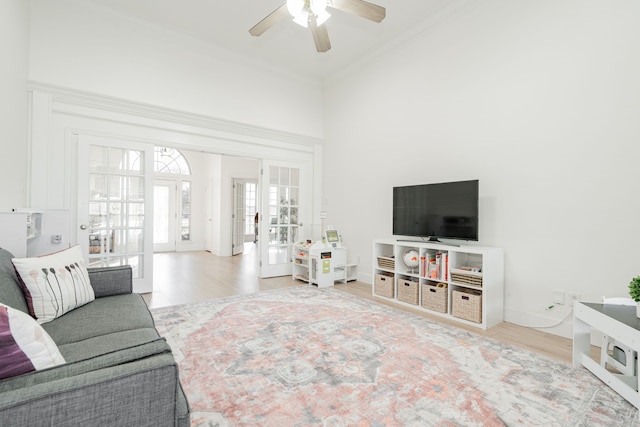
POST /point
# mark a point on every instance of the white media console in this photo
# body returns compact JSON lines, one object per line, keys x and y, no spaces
{"x":464,"y":283}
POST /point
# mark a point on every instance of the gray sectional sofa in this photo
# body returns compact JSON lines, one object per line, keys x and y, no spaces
{"x":118,"y":370}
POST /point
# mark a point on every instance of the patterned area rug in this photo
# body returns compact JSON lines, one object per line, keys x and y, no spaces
{"x":304,"y":356}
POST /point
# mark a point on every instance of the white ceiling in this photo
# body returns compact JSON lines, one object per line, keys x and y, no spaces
{"x":225,"y":25}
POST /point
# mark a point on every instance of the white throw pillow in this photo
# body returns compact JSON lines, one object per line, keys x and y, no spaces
{"x":24,"y":345}
{"x":54,"y":284}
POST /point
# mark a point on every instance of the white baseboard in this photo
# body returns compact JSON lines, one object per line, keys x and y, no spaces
{"x":365,"y":277}
{"x":558,"y":321}
{"x":564,"y":329}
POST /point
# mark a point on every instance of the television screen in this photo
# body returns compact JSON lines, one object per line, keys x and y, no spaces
{"x":447,"y":210}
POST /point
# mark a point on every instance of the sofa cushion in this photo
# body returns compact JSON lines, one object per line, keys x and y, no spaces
{"x":54,"y":284}
{"x":140,"y":393}
{"x":10,"y":290}
{"x":88,"y":364}
{"x":108,"y":343}
{"x":24,"y":345}
{"x":102,"y":316}
{"x":115,"y":280}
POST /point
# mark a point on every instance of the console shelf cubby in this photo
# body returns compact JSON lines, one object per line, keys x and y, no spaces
{"x":461,"y":283}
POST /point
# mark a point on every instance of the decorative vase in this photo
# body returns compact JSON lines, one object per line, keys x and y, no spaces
{"x":638,"y":309}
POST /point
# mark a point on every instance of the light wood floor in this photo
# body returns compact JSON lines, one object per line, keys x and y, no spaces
{"x":185,"y":277}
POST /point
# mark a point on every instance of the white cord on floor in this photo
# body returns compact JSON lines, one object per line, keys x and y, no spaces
{"x":549,"y":326}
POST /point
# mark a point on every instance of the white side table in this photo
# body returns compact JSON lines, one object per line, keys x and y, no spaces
{"x":620,"y":323}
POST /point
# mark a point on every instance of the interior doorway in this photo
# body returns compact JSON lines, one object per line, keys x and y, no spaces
{"x":244,"y":211}
{"x":172,"y":197}
{"x":215,"y":199}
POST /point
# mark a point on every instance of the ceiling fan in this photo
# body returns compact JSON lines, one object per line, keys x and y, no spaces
{"x":313,"y":14}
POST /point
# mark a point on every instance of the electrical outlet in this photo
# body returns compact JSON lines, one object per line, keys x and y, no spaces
{"x":558,"y":296}
{"x":573,"y":297}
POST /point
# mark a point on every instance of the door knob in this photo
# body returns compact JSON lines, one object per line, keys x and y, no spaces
{"x":83,"y":227}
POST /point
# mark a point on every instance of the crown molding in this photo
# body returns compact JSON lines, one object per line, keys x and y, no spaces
{"x":186,"y":40}
{"x":442,"y":15}
{"x":64,"y":96}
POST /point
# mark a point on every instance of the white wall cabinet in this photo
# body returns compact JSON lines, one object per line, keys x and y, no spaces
{"x":29,"y":233}
{"x":464,"y":283}
{"x":17,"y":229}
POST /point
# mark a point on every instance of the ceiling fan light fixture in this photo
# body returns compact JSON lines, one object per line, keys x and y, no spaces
{"x":313,"y":14}
{"x":302,"y":9}
{"x":319,"y":9}
{"x":318,"y":6}
{"x":322,"y":17}
{"x":302,"y":19}
{"x":295,"y":7}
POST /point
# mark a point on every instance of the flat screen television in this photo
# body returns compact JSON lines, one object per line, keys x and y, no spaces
{"x":447,"y":210}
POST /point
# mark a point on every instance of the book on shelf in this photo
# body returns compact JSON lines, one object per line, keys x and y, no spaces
{"x":436,"y":266}
{"x":446,"y":267}
{"x":431,"y":265}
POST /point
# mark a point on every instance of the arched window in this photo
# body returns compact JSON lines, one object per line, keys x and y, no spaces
{"x":170,"y":160}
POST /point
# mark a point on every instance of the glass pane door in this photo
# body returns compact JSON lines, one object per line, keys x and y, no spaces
{"x":238,"y":217}
{"x":112,"y":201}
{"x":164,"y":216}
{"x":280,"y":219}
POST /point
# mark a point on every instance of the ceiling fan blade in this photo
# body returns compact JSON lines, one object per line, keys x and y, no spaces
{"x":320,"y":35}
{"x":270,"y":20}
{"x":367,"y":10}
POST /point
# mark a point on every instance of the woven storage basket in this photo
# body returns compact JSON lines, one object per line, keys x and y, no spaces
{"x":408,"y":291}
{"x":386,"y":263}
{"x":384,"y":285}
{"x":466,"y":277}
{"x":435,"y":298}
{"x":467,"y":305}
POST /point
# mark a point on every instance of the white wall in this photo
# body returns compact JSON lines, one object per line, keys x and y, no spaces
{"x":540,"y":101}
{"x":14,"y":50}
{"x":93,"y":49}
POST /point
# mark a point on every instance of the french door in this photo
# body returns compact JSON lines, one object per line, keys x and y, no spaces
{"x":284,"y":212}
{"x":238,"y":217}
{"x":164,"y":215}
{"x":115,"y":201}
